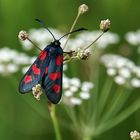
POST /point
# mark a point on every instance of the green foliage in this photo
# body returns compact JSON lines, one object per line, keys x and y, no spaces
{"x":21,"y":117}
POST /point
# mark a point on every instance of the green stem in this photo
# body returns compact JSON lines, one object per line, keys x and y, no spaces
{"x":55,"y":123}
{"x":72,"y":27}
{"x":34,"y":44}
{"x":104,"y":95}
{"x":120,"y":117}
{"x":94,"y":41}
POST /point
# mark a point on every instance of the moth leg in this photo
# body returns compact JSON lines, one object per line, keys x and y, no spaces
{"x":70,"y":52}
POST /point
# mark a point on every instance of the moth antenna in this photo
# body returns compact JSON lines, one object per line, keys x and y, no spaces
{"x":77,"y":30}
{"x":43,"y":24}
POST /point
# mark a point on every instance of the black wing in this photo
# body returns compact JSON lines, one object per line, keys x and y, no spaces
{"x":35,"y":73}
{"x":52,"y":81}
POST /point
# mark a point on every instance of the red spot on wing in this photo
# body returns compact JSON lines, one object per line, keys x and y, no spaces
{"x":46,"y":70}
{"x":27,"y":79}
{"x":35,"y":69}
{"x":58,"y":75}
{"x":43,"y":55}
{"x":53,"y":76}
{"x":58,"y":60}
{"x":56,"y":88}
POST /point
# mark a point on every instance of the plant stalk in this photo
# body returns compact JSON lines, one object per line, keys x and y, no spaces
{"x":55,"y":122}
{"x":94,"y":40}
{"x":71,"y":29}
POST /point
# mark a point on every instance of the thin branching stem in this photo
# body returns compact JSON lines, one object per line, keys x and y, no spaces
{"x":34,"y":44}
{"x":72,"y":27}
{"x":94,"y":41}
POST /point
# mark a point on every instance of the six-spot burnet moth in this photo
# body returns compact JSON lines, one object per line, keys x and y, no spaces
{"x":47,"y":70}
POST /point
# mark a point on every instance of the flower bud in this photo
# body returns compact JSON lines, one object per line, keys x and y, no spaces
{"x":37,"y":91}
{"x":82,"y":9}
{"x":105,"y":25}
{"x":23,"y":35}
{"x":82,"y":54}
{"x":135,"y":135}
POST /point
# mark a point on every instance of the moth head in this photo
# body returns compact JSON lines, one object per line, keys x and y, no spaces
{"x":56,"y":43}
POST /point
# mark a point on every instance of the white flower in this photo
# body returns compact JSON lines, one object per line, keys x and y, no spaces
{"x":37,"y":91}
{"x":135,"y":135}
{"x":105,"y":25}
{"x":75,"y":91}
{"x":84,"y":95}
{"x":68,"y":93}
{"x":12,"y":68}
{"x":75,"y":101}
{"x":117,"y":61}
{"x":135,"y":82}
{"x":86,"y":86}
{"x":133,"y":37}
{"x":73,"y":88}
{"x":111,"y":71}
{"x":82,"y":9}
{"x":75,"y":82}
{"x":120,"y":80}
{"x":21,"y":59}
{"x":125,"y":72}
{"x":6,"y":54}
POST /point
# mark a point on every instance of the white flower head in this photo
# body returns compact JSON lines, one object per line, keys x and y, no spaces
{"x":135,"y":82}
{"x":86,"y":86}
{"x":105,"y":25}
{"x":82,"y":9}
{"x":133,"y":37}
{"x":84,"y":95}
{"x":75,"y":82}
{"x":68,"y":93}
{"x":37,"y":91}
{"x":111,"y":71}
{"x":135,"y":135}
{"x":75,"y":101}
{"x":123,"y":70}
{"x":120,"y":80}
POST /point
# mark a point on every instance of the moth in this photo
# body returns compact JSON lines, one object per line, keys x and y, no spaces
{"x":47,"y":70}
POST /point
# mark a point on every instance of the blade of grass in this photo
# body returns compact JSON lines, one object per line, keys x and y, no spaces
{"x":118,"y":101}
{"x":104,"y":95}
{"x":119,"y":118}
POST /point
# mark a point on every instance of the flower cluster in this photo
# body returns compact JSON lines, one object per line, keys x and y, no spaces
{"x":75,"y":91}
{"x":37,"y":91}
{"x":41,"y":37}
{"x":11,"y":60}
{"x":135,"y":135}
{"x":133,"y":37}
{"x":123,"y":70}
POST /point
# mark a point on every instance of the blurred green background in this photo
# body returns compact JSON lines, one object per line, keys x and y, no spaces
{"x":18,"y":115}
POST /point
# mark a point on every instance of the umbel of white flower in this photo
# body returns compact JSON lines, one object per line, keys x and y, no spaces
{"x":75,"y":91}
{"x":11,"y":60}
{"x":123,"y":70}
